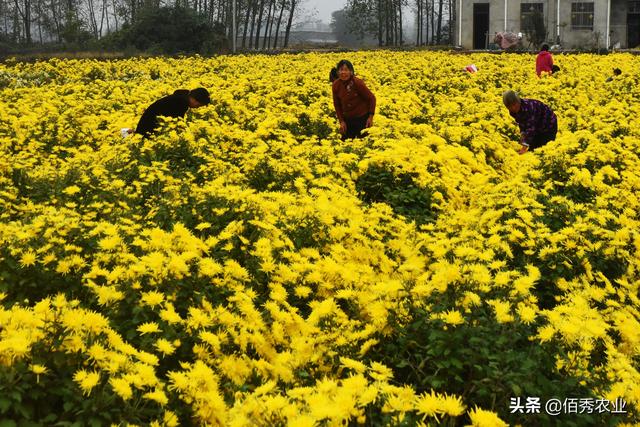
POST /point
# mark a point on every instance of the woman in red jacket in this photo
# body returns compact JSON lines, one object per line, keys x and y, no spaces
{"x":544,"y":61}
{"x":353,"y":101}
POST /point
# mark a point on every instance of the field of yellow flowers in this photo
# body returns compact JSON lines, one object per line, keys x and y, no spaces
{"x":248,"y":268}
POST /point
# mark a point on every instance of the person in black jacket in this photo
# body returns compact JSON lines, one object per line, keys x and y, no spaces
{"x":175,"y":105}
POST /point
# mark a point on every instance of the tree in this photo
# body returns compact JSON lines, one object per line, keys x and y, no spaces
{"x":348,"y":33}
{"x":74,"y":23}
{"x":292,"y":11}
{"x":23,"y":9}
{"x":439,"y":29}
{"x":374,"y":18}
{"x":183,"y":30}
{"x":283,"y":4}
{"x":74,"y":33}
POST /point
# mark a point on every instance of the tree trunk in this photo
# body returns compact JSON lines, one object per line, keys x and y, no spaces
{"x":433,"y":25}
{"x":289,"y":23}
{"x":106,"y":13}
{"x":40,"y":14}
{"x":253,"y":22}
{"x":4,"y":12}
{"x":266,"y":27}
{"x":418,"y":22}
{"x":103,"y":16}
{"x":452,"y":19}
{"x":93,"y":24}
{"x":392,"y":20}
{"x":394,"y":11}
{"x":425,"y":23}
{"x":27,"y":20}
{"x":25,"y":17}
{"x":17,"y":25}
{"x":259,"y":24}
{"x":220,"y":17}
{"x":275,"y":42}
{"x":380,"y":41}
{"x":439,"y":36}
{"x":387,"y":24}
{"x":115,"y":15}
{"x":400,"y":21}
{"x":245,"y":26}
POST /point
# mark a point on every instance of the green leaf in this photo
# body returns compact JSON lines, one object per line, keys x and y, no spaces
{"x":4,"y":405}
{"x":49,"y":418}
{"x":517,"y":390}
{"x":25,"y":410}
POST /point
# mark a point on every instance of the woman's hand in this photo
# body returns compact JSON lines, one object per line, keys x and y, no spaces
{"x":523,"y":149}
{"x":369,"y":122}
{"x":343,"y":127}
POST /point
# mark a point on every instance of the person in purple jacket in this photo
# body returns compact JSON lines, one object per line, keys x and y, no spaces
{"x":538,"y":124}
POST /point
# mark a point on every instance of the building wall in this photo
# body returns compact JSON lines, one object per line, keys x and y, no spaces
{"x":577,"y":38}
{"x":570,"y":38}
{"x":464,"y":30}
{"x":619,"y":10}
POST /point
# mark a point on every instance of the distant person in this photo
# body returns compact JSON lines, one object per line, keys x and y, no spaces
{"x":616,"y":73}
{"x":471,"y":68}
{"x":544,"y":61}
{"x":175,"y":105}
{"x":354,"y":103}
{"x":538,"y":124}
{"x":333,"y":75}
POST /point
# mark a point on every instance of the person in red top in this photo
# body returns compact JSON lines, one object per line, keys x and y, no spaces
{"x":353,"y":101}
{"x":544,"y":61}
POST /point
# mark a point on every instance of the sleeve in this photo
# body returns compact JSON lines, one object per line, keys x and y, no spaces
{"x":364,"y":92}
{"x":528,"y":127}
{"x":336,"y":102}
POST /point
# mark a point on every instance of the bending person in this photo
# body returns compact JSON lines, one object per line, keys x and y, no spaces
{"x":175,"y":105}
{"x":538,"y":124}
{"x":544,"y":61}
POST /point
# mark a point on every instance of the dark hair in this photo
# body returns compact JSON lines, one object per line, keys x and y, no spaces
{"x":544,"y":47}
{"x":201,"y":95}
{"x":555,"y":68}
{"x":347,"y":63}
{"x":333,"y":74}
{"x":617,"y":71}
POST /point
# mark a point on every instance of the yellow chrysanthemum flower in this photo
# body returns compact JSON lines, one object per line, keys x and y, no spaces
{"x":148,"y":328}
{"x":86,"y":380}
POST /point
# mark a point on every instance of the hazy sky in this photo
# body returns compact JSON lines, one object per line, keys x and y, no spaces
{"x":324,"y":7}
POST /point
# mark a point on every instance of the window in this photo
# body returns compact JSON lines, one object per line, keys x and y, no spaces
{"x":634,"y":6}
{"x":527,"y":13}
{"x":581,"y":16}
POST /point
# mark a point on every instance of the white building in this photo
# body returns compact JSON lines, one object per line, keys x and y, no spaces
{"x":575,"y":24}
